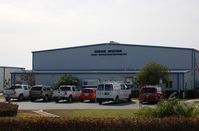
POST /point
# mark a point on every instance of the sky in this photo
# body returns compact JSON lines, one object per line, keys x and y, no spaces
{"x":33,"y":25}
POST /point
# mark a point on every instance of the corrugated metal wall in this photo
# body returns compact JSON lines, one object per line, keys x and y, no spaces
{"x":196,"y":69}
{"x":111,"y":57}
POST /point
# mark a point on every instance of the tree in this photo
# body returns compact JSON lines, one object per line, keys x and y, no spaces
{"x":152,"y":73}
{"x":29,"y":78}
{"x":66,"y":80}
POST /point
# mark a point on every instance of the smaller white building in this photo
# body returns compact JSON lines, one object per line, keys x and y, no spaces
{"x":5,"y":75}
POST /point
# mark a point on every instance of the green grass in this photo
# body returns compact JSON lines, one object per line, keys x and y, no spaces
{"x":1,"y":97}
{"x":95,"y":113}
{"x":25,"y":114}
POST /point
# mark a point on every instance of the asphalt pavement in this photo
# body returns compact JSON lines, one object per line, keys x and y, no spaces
{"x":40,"y":105}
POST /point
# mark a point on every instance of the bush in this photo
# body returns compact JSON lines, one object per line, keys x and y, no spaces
{"x":8,"y":109}
{"x":108,"y":124}
{"x":171,"y":107}
{"x":66,"y":80}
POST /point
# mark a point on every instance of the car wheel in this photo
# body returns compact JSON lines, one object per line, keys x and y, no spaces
{"x":45,"y":98}
{"x":129,"y":99}
{"x":32,"y":99}
{"x":100,"y":102}
{"x":141,"y":102}
{"x":81,"y":100}
{"x":56,"y":100}
{"x":70,"y":99}
{"x":20,"y":98}
{"x":7,"y":99}
{"x":93,"y":101}
{"x":116,"y":99}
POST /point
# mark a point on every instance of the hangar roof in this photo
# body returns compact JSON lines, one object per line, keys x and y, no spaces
{"x":92,"y":72}
{"x":12,"y":67}
{"x":115,"y":43}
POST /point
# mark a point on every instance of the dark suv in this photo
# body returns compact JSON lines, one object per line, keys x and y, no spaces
{"x":150,"y":94}
{"x":41,"y":92}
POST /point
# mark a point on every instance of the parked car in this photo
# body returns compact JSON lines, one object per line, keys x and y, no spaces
{"x":18,"y":91}
{"x":66,"y":92}
{"x":112,"y":91}
{"x":41,"y":92}
{"x":150,"y":94}
{"x":88,"y":94}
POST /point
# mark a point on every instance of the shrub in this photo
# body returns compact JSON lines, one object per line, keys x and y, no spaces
{"x":8,"y":109}
{"x":171,"y":107}
{"x":108,"y":124}
{"x":66,"y":80}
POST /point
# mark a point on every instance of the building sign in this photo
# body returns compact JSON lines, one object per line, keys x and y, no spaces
{"x":108,"y":53}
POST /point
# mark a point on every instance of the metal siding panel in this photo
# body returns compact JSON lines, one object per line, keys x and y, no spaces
{"x":188,"y":81}
{"x":47,"y":79}
{"x":174,"y":79}
{"x":1,"y":79}
{"x":196,"y":79}
{"x":137,"y":56}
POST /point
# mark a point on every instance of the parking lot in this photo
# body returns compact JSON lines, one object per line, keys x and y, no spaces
{"x":40,"y":105}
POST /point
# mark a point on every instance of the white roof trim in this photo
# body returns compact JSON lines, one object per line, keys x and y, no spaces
{"x":92,"y":72}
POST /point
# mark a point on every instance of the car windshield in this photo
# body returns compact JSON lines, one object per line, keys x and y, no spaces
{"x":36,"y":88}
{"x":148,"y":90}
{"x":100,"y":87}
{"x":65,"y":88}
{"x":87,"y":91}
{"x":108,"y":87}
{"x":15,"y":87}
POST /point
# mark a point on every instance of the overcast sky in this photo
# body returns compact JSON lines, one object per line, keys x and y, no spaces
{"x":32,"y":25}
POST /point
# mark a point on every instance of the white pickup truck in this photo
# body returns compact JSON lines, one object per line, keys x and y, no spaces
{"x":17,"y":91}
{"x":66,"y":92}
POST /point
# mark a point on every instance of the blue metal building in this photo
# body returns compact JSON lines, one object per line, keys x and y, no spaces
{"x":113,"y":61}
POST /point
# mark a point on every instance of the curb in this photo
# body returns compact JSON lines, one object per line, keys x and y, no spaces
{"x":45,"y":114}
{"x":193,"y":100}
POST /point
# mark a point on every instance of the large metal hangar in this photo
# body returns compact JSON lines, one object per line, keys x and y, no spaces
{"x":112,"y":61}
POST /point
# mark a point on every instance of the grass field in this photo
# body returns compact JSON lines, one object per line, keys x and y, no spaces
{"x":1,"y":96}
{"x":108,"y":113}
{"x":25,"y":114}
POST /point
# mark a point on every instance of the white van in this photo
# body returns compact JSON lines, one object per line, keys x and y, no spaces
{"x":112,"y":91}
